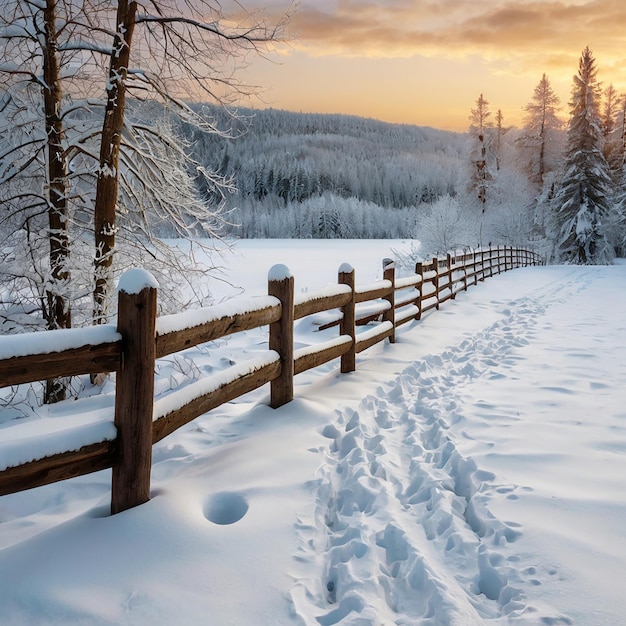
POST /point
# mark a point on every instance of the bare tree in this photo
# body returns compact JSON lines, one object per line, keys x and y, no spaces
{"x":478,"y":131}
{"x":81,"y":160}
{"x":30,"y":67}
{"x":499,"y":133}
{"x":192,"y":47}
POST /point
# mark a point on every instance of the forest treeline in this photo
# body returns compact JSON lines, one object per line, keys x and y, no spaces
{"x":315,"y":175}
{"x":555,"y":183}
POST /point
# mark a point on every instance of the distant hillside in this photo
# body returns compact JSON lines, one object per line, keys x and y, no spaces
{"x":301,"y":174}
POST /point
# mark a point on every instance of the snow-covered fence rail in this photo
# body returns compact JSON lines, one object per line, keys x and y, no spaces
{"x":131,"y":348}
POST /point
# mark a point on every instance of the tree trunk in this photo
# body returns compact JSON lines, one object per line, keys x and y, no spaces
{"x":107,"y":184}
{"x":542,"y":151}
{"x":58,"y":313}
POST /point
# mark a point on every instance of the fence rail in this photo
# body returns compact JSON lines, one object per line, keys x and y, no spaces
{"x":131,"y":348}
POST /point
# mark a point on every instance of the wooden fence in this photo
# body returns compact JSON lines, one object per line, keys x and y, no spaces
{"x":131,"y":348}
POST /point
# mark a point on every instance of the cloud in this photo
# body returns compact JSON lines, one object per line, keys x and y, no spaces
{"x":522,"y":31}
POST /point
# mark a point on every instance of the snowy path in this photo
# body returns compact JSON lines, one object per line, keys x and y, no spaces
{"x":405,"y":498}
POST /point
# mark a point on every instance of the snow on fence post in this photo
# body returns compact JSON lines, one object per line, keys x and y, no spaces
{"x":347,"y":326}
{"x":134,"y":392}
{"x":419,"y":270}
{"x":281,"y":285}
{"x":389,"y":273}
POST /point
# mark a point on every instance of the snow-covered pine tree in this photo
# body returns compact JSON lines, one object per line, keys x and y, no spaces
{"x":582,"y":202}
{"x":618,"y":231}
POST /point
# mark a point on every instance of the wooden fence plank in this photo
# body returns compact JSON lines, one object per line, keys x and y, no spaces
{"x":175,"y":341}
{"x":310,"y":357}
{"x":167,"y":424}
{"x":73,"y":362}
{"x":368,"y":339}
{"x":51,"y":469}
{"x":321,"y":303}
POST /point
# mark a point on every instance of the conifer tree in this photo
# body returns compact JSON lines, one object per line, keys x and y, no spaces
{"x":582,"y":205}
{"x":541,"y":123}
{"x":612,"y":131}
{"x":617,"y":165}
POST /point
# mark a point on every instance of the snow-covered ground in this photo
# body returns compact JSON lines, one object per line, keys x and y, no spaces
{"x":471,"y":473}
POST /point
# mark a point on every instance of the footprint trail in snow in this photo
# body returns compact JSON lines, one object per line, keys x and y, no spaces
{"x":402,"y":532}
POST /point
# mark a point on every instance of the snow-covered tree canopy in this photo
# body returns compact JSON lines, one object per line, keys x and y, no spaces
{"x":583,"y":202}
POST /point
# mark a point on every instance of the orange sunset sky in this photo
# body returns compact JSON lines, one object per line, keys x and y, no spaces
{"x":426,"y":62}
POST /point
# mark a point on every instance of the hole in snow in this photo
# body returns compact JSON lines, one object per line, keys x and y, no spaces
{"x":225,"y":508}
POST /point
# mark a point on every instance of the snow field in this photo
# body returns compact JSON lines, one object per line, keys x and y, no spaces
{"x":471,"y":473}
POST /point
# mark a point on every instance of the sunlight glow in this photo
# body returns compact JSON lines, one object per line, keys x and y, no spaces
{"x":416,"y":61}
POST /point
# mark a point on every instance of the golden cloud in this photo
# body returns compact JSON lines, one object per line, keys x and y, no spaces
{"x":458,"y":28}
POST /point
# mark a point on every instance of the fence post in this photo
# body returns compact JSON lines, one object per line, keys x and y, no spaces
{"x":419,"y":270}
{"x":280,"y":285}
{"x":436,"y":280}
{"x":451,"y":261}
{"x":348,"y":319}
{"x":389,"y":273}
{"x":134,"y":393}
{"x":474,"y":265}
{"x":465,"y":259}
{"x":482,"y":264}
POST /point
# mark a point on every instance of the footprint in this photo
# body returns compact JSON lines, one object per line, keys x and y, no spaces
{"x":225,"y":508}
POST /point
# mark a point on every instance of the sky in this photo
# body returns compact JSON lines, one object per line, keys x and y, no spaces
{"x":426,"y":62}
